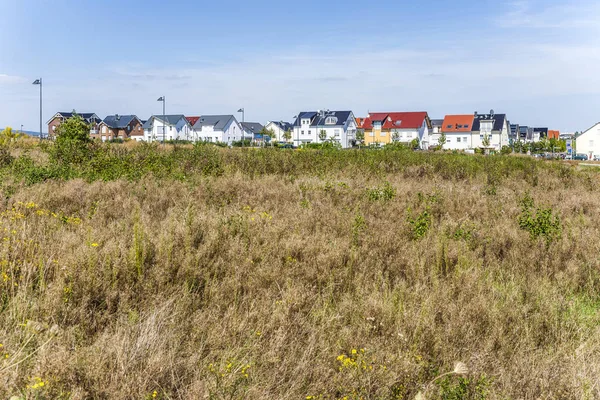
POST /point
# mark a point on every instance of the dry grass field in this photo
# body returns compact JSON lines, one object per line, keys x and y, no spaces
{"x":272,"y":274}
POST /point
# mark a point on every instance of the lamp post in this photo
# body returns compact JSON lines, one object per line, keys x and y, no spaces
{"x":39,"y":82}
{"x":163,"y":99}
{"x":21,"y":129}
{"x":243,"y":111}
{"x":297,"y":118}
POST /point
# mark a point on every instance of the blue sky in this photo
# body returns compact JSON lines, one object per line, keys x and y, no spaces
{"x":536,"y":61}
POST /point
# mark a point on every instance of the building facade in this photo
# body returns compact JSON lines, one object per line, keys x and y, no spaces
{"x":323,"y":126}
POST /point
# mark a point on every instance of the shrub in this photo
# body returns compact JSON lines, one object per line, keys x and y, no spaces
{"x":539,"y":223}
{"x":385,"y":193}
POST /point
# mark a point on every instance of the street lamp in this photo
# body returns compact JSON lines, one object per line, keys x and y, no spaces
{"x":243,"y":111}
{"x":163,"y":99}
{"x":21,"y":129}
{"x":296,"y":118}
{"x":39,"y":82}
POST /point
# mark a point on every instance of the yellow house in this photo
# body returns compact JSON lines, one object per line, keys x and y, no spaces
{"x":403,"y":127}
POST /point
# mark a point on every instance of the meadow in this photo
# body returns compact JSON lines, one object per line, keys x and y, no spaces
{"x":190,"y":272}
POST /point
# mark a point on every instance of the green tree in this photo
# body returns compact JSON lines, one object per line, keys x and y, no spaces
{"x":395,"y":136}
{"x":8,"y":136}
{"x":414,"y":144}
{"x":323,"y":135}
{"x":486,"y":141}
{"x":442,"y":140}
{"x":360,"y":137}
{"x":287,"y":135}
{"x":73,"y":141}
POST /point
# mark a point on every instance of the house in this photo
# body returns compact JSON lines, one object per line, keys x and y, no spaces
{"x":217,"y":128}
{"x":457,"y":129}
{"x":120,"y":127}
{"x":525,"y":133}
{"x":588,"y":142}
{"x":279,"y":129}
{"x":192,"y":120}
{"x":493,"y":126}
{"x":169,"y":127}
{"x":90,"y":118}
{"x":321,"y":126}
{"x":514,"y":135}
{"x":382,"y":128}
{"x":553,"y":134}
{"x":540,"y":133}
{"x":251,"y":130}
{"x":436,"y":126}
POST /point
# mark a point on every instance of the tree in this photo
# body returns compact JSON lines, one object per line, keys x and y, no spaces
{"x":73,"y":141}
{"x":442,"y":140}
{"x":323,"y":135}
{"x":8,"y":136}
{"x":395,"y":136}
{"x":287,"y":135}
{"x":486,"y":141}
{"x":360,"y":137}
{"x":414,"y":144}
{"x":73,"y":129}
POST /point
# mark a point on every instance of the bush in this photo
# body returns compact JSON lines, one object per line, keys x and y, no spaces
{"x":539,"y":223}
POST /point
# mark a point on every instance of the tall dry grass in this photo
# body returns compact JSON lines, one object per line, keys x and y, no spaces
{"x":285,"y":286}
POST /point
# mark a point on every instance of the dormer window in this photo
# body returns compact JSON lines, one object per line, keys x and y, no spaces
{"x":377,"y":124}
{"x":398,"y":123}
{"x":331,"y":120}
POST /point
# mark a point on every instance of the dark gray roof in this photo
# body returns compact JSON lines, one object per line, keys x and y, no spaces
{"x":437,"y":122}
{"x":218,"y":122}
{"x":317,"y":119}
{"x":283,"y":125}
{"x":254,"y":127}
{"x":119,"y":121}
{"x":170,"y":120}
{"x":498,"y":119}
{"x":88,"y":117}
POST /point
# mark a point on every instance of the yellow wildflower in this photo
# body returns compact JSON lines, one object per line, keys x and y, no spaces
{"x":94,"y":244}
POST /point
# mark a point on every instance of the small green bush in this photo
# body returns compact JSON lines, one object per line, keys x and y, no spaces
{"x":539,"y":223}
{"x":385,"y":193}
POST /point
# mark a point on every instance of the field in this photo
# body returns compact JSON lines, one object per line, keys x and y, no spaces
{"x":198,"y":272}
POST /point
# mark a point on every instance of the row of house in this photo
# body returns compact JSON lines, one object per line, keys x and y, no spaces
{"x":461,"y":132}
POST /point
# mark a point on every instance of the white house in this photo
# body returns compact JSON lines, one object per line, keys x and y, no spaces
{"x":457,"y":129}
{"x":279,"y":128}
{"x":339,"y":126}
{"x":589,"y":142}
{"x":495,"y":126}
{"x":217,"y":128}
{"x":172,"y":127}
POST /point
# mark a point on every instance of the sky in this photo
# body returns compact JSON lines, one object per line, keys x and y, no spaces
{"x":537,"y":61}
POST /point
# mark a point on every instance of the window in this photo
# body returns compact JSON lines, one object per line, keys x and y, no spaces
{"x":303,"y":132}
{"x":449,"y":126}
{"x":481,"y":137}
{"x":372,"y":134}
{"x":457,"y":140}
{"x":336,"y":132}
{"x":331,"y":121}
{"x":591,"y":143}
{"x":377,"y":125}
{"x":409,"y":135}
{"x":383,"y":134}
{"x":448,"y":140}
{"x":466,"y":126}
{"x":170,"y":129}
{"x":465,"y":139}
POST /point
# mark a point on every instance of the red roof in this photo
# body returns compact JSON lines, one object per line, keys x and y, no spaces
{"x":396,"y":120}
{"x":458,"y":123}
{"x":553,"y":134}
{"x":192,"y":120}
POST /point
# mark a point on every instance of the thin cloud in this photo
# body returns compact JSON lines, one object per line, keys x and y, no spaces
{"x":11,"y":79}
{"x":534,"y":15}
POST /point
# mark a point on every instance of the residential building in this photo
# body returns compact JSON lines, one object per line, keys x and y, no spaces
{"x":279,"y":128}
{"x":588,"y":142}
{"x":540,"y":133}
{"x":382,"y":128}
{"x":192,"y":120}
{"x":90,"y":118}
{"x":493,"y":126}
{"x":526,"y":134}
{"x":338,"y":126}
{"x":457,"y":129}
{"x":514,"y":135}
{"x":169,"y":127}
{"x":251,"y":130}
{"x":120,"y":127}
{"x":553,"y":134}
{"x":436,"y":126}
{"x":217,"y":129}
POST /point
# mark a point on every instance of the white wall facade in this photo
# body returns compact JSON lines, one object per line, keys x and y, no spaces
{"x":179,"y":131}
{"x":277,"y":130}
{"x":589,"y":142}
{"x":343,"y":134}
{"x":231,"y":133}
{"x":497,"y":138}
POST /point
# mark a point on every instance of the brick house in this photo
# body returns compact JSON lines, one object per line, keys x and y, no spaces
{"x":92,"y":119}
{"x":119,"y":127}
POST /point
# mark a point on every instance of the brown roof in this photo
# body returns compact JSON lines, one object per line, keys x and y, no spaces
{"x":458,"y":123}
